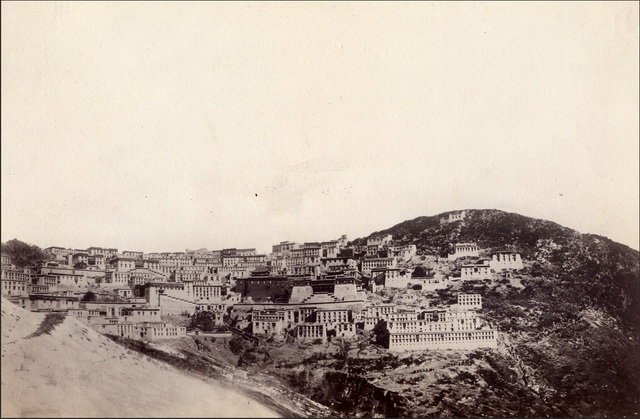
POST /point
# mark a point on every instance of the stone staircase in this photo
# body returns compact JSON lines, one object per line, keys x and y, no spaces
{"x":320,"y":298}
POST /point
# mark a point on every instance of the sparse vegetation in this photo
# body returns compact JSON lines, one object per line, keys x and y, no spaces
{"x":89,"y":296}
{"x":50,"y":321}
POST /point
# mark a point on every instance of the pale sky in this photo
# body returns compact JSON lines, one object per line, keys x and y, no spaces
{"x":162,"y":126}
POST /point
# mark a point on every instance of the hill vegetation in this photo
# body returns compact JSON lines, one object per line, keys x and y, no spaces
{"x":24,"y":254}
{"x":573,"y":327}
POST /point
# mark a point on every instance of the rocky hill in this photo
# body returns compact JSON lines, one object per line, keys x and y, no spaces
{"x":571,"y":327}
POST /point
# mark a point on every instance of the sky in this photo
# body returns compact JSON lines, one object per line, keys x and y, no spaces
{"x":162,"y":126}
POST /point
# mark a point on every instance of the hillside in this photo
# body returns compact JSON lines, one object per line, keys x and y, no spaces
{"x":572,"y":327}
{"x":56,"y":367}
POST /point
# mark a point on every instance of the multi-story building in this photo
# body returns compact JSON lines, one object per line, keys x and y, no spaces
{"x":174,"y":261}
{"x":142,"y":331}
{"x":78,"y":258}
{"x":306,"y":332}
{"x":6,"y":261}
{"x":373,"y":314}
{"x":20,"y":275}
{"x":70,"y":280}
{"x":368,"y":264}
{"x":434,"y":283}
{"x":345,"y":330}
{"x":311,"y":254}
{"x":373,"y":250}
{"x":404,"y":252}
{"x":108,"y":253}
{"x":13,"y":288}
{"x":442,"y":329}
{"x":345,"y":263}
{"x":506,"y":260}
{"x":140,"y":314}
{"x":179,"y":297}
{"x":141,"y":276}
{"x":331,"y":317}
{"x":419,"y":341}
{"x":272,"y":288}
{"x":123,"y":264}
{"x":130,"y":254}
{"x":479,"y":270}
{"x":118,"y":278}
{"x":392,"y":277}
{"x":272,"y":321}
{"x":470,"y":301}
{"x":44,"y":302}
{"x":246,"y":252}
{"x":151,"y":264}
{"x":465,"y":250}
{"x":382,"y":240}
{"x":45,"y":280}
{"x":284,"y":247}
{"x":453,"y":217}
{"x":60,"y":253}
{"x":330,"y":249}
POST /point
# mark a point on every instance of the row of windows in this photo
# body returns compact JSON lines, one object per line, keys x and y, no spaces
{"x":439,"y":338}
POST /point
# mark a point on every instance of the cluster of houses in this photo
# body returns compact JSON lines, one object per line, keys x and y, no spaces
{"x":312,"y":291}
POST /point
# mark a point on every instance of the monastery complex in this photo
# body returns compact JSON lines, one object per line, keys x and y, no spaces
{"x":305,"y":292}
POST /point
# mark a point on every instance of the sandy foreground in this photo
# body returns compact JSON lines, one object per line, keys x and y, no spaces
{"x":76,"y":372}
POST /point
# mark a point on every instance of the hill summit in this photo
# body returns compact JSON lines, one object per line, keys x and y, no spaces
{"x":491,"y":229}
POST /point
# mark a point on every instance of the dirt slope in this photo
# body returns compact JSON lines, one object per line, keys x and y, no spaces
{"x":70,"y":370}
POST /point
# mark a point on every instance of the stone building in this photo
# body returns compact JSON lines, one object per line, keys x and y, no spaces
{"x":466,"y":340}
{"x":469,"y":301}
{"x":506,"y":260}
{"x":309,"y":332}
{"x":479,"y":270}
{"x":465,"y":250}
{"x":453,"y":217}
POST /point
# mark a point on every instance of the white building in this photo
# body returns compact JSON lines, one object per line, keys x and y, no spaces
{"x":469,"y":301}
{"x":465,"y":250}
{"x":506,"y":260}
{"x":465,"y":340}
{"x":180,"y":297}
{"x":373,"y":314}
{"x":332,"y":317}
{"x":368,"y":264}
{"x":380,"y":240}
{"x":481,"y":270}
{"x":142,"y":331}
{"x":442,"y":329}
{"x":272,"y":322}
{"x":404,"y":252}
{"x":6,"y":261}
{"x":307,"y":332}
{"x":132,"y":254}
{"x":453,"y":217}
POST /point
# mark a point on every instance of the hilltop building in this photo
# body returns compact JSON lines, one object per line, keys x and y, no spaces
{"x":453,"y":217}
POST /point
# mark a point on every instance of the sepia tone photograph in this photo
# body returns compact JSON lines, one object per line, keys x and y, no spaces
{"x":320,"y":209}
